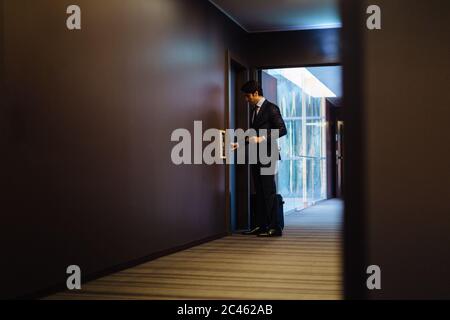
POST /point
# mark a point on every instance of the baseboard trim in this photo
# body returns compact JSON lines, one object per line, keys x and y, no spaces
{"x":120,"y":267}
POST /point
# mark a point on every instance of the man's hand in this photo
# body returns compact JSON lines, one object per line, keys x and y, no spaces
{"x":256,"y":139}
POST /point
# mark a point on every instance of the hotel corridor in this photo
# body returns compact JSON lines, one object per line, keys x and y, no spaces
{"x":303,"y":264}
{"x":121,"y":173}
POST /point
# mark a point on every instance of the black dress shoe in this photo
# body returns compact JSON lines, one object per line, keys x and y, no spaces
{"x":253,"y":231}
{"x":271,"y":233}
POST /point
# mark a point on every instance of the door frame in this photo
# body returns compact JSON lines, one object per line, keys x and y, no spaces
{"x":242,"y":190}
{"x":355,"y":206}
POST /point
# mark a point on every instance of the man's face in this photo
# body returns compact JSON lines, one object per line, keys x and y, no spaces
{"x":252,"y":98}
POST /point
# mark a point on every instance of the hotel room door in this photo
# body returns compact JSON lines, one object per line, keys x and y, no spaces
{"x":237,"y":176}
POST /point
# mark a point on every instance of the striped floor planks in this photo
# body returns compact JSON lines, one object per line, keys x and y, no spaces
{"x":306,"y":263}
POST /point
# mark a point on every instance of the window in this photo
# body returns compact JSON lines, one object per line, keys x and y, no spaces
{"x":302,"y":175}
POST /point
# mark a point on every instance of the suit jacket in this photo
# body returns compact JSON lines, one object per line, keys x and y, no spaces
{"x":269,"y":117}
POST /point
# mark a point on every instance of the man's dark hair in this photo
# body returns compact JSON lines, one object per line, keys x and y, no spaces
{"x":251,"y":87}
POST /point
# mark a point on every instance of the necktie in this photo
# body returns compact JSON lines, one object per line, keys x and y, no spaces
{"x":255,"y":113}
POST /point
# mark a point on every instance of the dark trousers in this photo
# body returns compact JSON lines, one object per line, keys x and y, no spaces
{"x":266,"y":206}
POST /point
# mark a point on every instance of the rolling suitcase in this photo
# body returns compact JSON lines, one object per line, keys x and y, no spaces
{"x":278,"y":205}
{"x":280,"y":209}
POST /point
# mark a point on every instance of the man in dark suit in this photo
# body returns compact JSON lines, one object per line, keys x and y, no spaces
{"x":264,"y":115}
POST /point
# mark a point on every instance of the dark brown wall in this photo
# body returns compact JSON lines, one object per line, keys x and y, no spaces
{"x":295,"y":48}
{"x":406,"y":73}
{"x":87,"y":119}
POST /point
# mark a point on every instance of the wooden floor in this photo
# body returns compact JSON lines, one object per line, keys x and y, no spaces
{"x":303,"y":264}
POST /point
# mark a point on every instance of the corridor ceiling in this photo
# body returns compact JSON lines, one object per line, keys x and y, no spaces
{"x":281,"y":15}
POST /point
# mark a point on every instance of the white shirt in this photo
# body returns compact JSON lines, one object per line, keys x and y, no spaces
{"x":258,"y":109}
{"x":260,"y":103}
